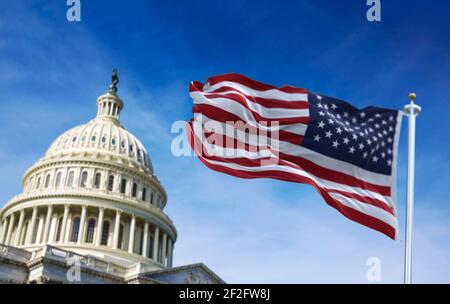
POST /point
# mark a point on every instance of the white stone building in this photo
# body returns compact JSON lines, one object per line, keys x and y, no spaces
{"x":92,"y":206}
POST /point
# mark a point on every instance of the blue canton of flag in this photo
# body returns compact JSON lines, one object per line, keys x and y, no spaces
{"x":364,"y":137}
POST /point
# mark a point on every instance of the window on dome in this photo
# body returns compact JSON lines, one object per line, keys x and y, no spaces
{"x":93,"y":138}
{"x":105,"y":233}
{"x":145,"y":160}
{"x":47,"y":181}
{"x":90,"y":231}
{"x":134,"y":190}
{"x":151,"y":198}
{"x":70,"y":179}
{"x":83,"y":138}
{"x":98,"y":180}
{"x":38,"y":183}
{"x":113,"y":141}
{"x":58,"y":180}
{"x":144,"y":194}
{"x":74,"y":139}
{"x":75,"y":228}
{"x":123,"y":185}
{"x":123,"y":144}
{"x":159,"y":201}
{"x":131,"y":148}
{"x":104,"y":140}
{"x":139,"y":155}
{"x":84,"y":177}
{"x":110,"y":182}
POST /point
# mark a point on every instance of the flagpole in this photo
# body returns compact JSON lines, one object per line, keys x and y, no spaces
{"x":411,"y":110}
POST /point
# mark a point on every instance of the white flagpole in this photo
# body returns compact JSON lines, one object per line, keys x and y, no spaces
{"x":411,"y":110}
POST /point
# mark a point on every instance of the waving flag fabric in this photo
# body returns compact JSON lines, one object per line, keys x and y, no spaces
{"x":348,"y":154}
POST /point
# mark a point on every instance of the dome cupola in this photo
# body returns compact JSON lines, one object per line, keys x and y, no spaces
{"x":109,"y":104}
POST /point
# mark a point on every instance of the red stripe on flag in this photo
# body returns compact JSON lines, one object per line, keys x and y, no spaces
{"x":227,"y":117}
{"x":253,"y":84}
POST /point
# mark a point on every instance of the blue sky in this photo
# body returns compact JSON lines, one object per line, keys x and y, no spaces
{"x":51,"y":72}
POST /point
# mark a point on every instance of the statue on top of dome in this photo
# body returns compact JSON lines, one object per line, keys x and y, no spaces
{"x":114,"y":82}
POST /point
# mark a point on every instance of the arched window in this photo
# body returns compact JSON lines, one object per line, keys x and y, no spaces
{"x":144,"y":194}
{"x":75,"y":228}
{"x":58,"y":180}
{"x":38,"y":183}
{"x":151,"y":198}
{"x":105,"y":233}
{"x":134,"y":190}
{"x":47,"y":181}
{"x":98,"y":180}
{"x":123,"y":185}
{"x":70,"y":179}
{"x":84,"y":177}
{"x":58,"y":230}
{"x":90,"y":231}
{"x":145,"y":159}
{"x":110,"y":182}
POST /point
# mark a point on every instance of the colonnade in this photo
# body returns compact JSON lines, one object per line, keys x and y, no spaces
{"x":85,"y":225}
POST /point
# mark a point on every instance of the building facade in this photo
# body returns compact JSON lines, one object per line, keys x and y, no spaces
{"x":93,"y":202}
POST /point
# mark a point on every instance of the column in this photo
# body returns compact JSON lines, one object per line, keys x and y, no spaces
{"x":155,"y":244}
{"x":29,"y":238}
{"x":48,"y":219}
{"x":169,"y":253}
{"x":40,"y":230}
{"x":64,"y":235}
{"x":19,"y":228}
{"x":101,"y":215}
{"x":2,"y":228}
{"x":4,"y":231}
{"x":132,"y":231}
{"x":164,"y":248}
{"x":116,"y":230}
{"x":145,"y":241}
{"x":82,"y":224}
{"x":10,"y":229}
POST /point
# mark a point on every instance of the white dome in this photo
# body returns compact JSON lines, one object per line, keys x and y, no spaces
{"x":94,"y":193}
{"x":105,"y":135}
{"x":101,"y":136}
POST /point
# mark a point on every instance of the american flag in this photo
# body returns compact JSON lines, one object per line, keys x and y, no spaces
{"x":348,"y":154}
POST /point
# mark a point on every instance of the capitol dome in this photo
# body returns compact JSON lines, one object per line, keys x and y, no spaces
{"x":94,"y":193}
